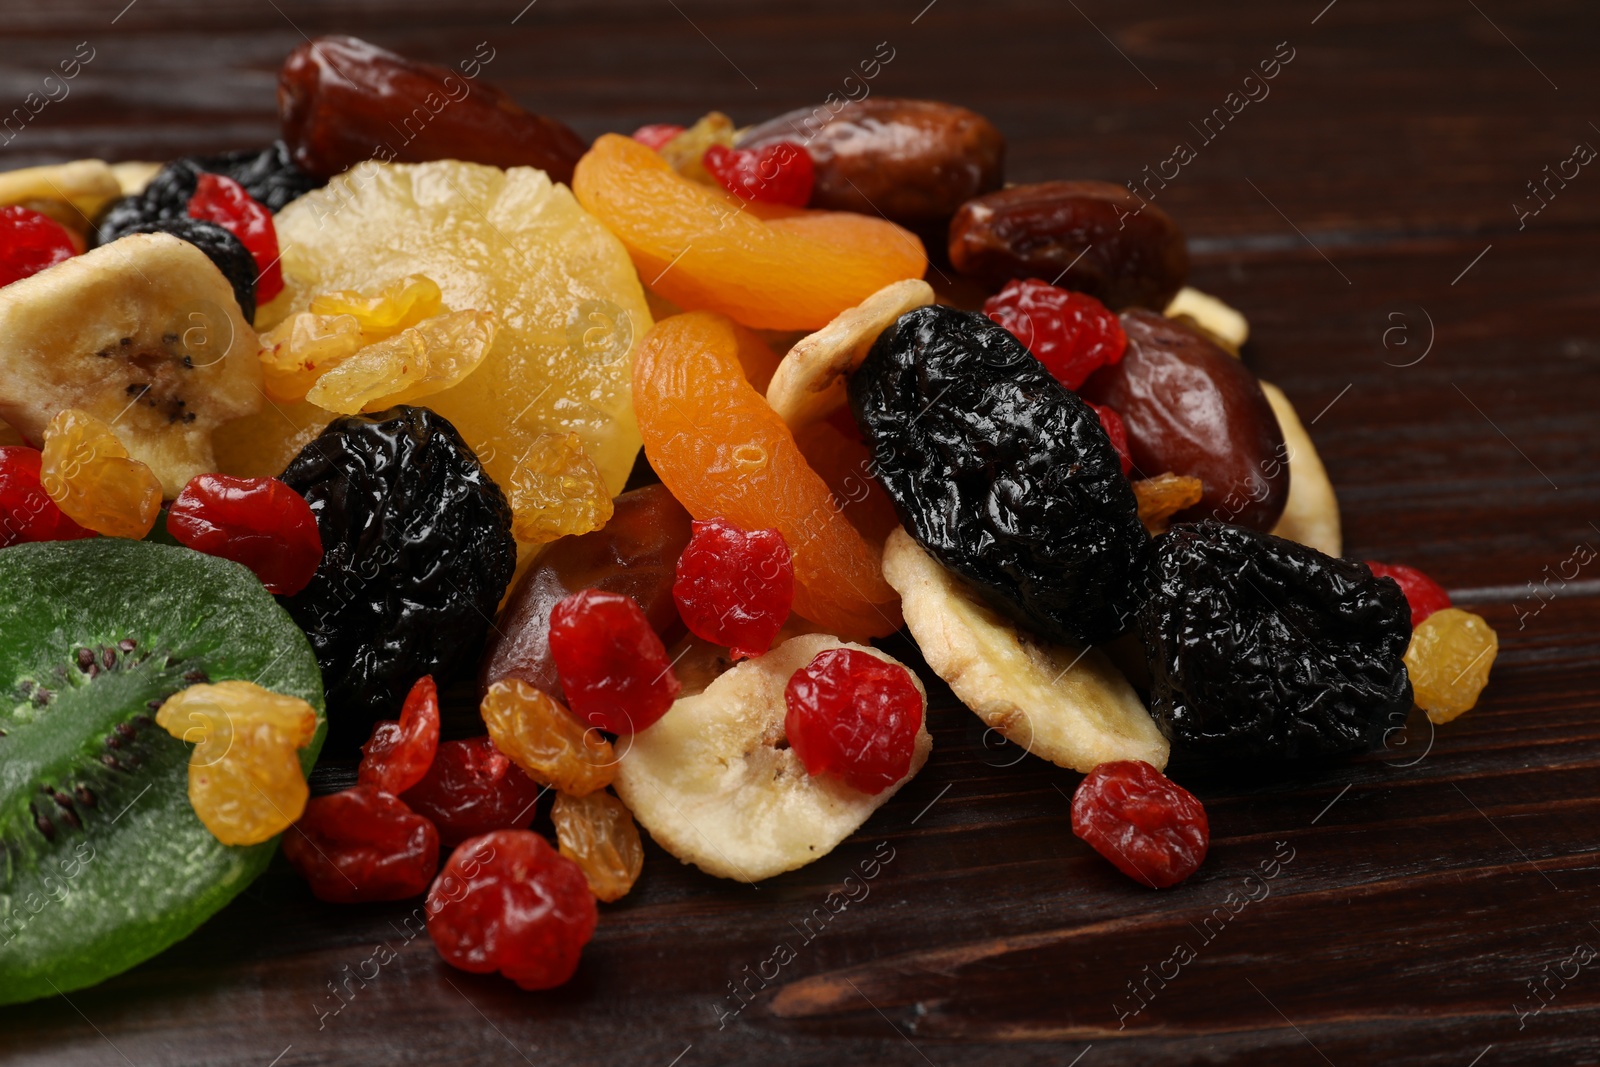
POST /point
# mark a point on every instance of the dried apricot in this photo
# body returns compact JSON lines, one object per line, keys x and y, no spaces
{"x":766,"y":266}
{"x":545,"y":739}
{"x":597,"y":833}
{"x":725,"y":453}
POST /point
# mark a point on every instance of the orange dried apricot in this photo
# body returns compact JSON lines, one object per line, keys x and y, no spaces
{"x":725,"y":454}
{"x":705,"y":249}
{"x":845,"y":463}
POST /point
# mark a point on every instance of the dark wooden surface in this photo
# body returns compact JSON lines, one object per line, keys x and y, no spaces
{"x":1429,"y":883}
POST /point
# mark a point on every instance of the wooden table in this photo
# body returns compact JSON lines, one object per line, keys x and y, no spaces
{"x":1363,"y":216}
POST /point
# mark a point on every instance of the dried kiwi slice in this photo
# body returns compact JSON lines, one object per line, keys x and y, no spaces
{"x":102,"y":861}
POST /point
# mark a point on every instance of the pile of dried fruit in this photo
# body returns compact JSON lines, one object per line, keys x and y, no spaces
{"x":423,"y":454}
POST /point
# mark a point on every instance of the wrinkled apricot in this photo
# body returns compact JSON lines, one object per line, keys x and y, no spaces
{"x":705,"y":249}
{"x":725,"y":454}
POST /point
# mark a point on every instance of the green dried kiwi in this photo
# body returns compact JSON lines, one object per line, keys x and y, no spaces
{"x":103,"y":863}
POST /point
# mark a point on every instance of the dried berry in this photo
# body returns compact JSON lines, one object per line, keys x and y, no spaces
{"x":779,"y":173}
{"x":267,"y":174}
{"x":165,"y":197}
{"x":597,"y":833}
{"x":472,"y":788}
{"x":854,"y":715}
{"x":1263,"y":648}
{"x":1423,"y":594}
{"x":735,"y":587}
{"x":1192,"y":409}
{"x":224,"y":250}
{"x":1072,"y":334}
{"x":1449,"y":660}
{"x":657,"y":134}
{"x":417,"y":552}
{"x":545,"y":739}
{"x":259,"y":522}
{"x":1117,"y":433}
{"x":508,"y":902}
{"x":223,"y":201}
{"x":398,"y":754}
{"x":1001,"y":473}
{"x":30,"y":242}
{"x":362,"y":844}
{"x":1150,"y":827}
{"x":26,"y":511}
{"x":614,"y":668}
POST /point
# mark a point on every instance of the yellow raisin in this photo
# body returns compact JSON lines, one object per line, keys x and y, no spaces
{"x":556,"y":490}
{"x":686,"y":151}
{"x":87,"y":472}
{"x":1449,"y":660}
{"x":1164,"y":496}
{"x":302,"y":348}
{"x":597,"y":833}
{"x":416,"y":362}
{"x":545,"y":739}
{"x":388,"y":311}
{"x":245,"y":780}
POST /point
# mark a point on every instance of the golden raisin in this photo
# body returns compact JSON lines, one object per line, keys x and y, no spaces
{"x":416,"y":362}
{"x":556,"y":490}
{"x":597,"y":833}
{"x":303,"y":347}
{"x":1164,"y":496}
{"x":1449,"y":659}
{"x":545,"y":739}
{"x":245,"y":780}
{"x":87,"y":472}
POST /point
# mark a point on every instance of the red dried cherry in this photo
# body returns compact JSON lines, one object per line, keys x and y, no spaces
{"x":1424,"y":595}
{"x":399,"y":754}
{"x":657,"y":134}
{"x":613,"y":668}
{"x":1115,"y":429}
{"x":473,"y":788}
{"x":259,"y":522}
{"x":779,"y":173}
{"x":26,"y":511}
{"x":362,"y":844}
{"x":508,"y":902}
{"x":734,"y":587}
{"x":1150,"y":827}
{"x":1072,"y":334}
{"x":223,"y":201}
{"x":30,"y":242}
{"x":852,"y":714}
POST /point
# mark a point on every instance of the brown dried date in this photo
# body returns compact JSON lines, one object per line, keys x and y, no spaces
{"x":1094,"y":237}
{"x":915,"y":161}
{"x":343,"y":101}
{"x":1192,"y":409}
{"x":636,"y":554}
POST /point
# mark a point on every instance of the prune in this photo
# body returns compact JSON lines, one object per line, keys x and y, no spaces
{"x":1262,"y":648}
{"x":417,"y":551}
{"x":267,"y":174}
{"x":166,"y":196}
{"x":635,"y":554}
{"x":1091,"y":237}
{"x":229,"y":254}
{"x":1192,"y":409}
{"x":1001,"y":473}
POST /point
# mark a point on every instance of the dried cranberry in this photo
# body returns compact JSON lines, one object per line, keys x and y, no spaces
{"x":259,"y":522}
{"x":734,"y":586}
{"x":508,"y":902}
{"x":1424,"y":595}
{"x":613,"y":666}
{"x":223,"y":201}
{"x":657,"y":134}
{"x":400,"y":753}
{"x":779,"y":173}
{"x":362,"y":844}
{"x":473,"y":788}
{"x":1072,"y":334}
{"x":30,"y":242}
{"x":1150,"y":827}
{"x":26,"y":511}
{"x":1117,"y":431}
{"x":852,"y":714}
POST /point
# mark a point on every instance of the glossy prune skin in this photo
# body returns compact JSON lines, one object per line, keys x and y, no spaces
{"x":417,"y":553}
{"x":1263,"y":649}
{"x":166,"y":196}
{"x":634,"y":554}
{"x":1090,"y":237}
{"x":225,"y":250}
{"x":344,"y":101}
{"x":1192,"y":409}
{"x":1001,"y":473}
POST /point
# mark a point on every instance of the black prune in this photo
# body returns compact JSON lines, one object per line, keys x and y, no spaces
{"x":1260,"y":647}
{"x":166,"y":196}
{"x":230,"y":255}
{"x":267,"y":174}
{"x":417,"y":552}
{"x":1001,"y":473}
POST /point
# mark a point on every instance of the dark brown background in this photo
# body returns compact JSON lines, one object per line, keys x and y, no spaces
{"x":1448,"y":871}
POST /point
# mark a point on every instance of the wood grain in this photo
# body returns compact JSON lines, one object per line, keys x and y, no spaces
{"x":1429,"y":882}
